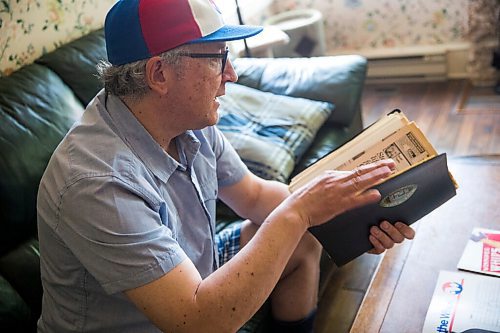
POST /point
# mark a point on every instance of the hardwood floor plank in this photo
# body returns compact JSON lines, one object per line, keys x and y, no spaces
{"x":465,"y":135}
{"x":343,"y":295}
{"x":483,"y":135}
{"x":495,"y":142}
{"x":433,"y":107}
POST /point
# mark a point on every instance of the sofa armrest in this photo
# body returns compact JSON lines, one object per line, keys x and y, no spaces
{"x":335,"y":79}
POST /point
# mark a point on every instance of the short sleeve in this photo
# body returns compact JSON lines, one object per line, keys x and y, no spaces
{"x":230,"y":168}
{"x":122,"y":238}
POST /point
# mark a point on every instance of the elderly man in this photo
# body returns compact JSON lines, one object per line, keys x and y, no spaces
{"x":126,"y":207}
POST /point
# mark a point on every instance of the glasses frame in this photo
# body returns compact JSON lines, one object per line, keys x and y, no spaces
{"x":222,"y":56}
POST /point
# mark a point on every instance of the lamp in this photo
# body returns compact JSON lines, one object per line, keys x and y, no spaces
{"x":241,"y":11}
{"x":240,"y":20}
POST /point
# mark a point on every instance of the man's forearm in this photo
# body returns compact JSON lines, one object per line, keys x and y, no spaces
{"x":271,"y":195}
{"x":237,"y":289}
{"x":243,"y":284}
{"x":254,"y":198}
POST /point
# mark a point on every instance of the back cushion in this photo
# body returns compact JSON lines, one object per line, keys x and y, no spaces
{"x":36,"y":110}
{"x":76,"y":62}
{"x":270,"y":132}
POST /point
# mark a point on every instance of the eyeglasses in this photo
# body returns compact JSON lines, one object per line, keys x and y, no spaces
{"x":222,"y":56}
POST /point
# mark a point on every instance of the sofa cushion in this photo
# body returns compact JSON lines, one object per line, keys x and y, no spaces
{"x":36,"y":111}
{"x":14,"y":313}
{"x":336,"y":79}
{"x":270,"y":132}
{"x":21,"y":268}
{"x":76,"y":63}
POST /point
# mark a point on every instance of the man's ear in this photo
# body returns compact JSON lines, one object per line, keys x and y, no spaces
{"x":157,"y":75}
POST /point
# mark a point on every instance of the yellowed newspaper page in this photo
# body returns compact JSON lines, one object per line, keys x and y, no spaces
{"x":375,"y":133}
{"x":407,"y":146}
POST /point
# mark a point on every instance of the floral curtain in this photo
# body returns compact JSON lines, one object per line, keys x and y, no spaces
{"x":30,"y":28}
{"x":374,"y":24}
{"x":484,"y":30}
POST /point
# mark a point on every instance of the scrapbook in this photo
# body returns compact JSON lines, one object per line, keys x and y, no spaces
{"x":421,"y":183}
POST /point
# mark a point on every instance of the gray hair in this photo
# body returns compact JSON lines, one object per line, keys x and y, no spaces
{"x":129,"y":80}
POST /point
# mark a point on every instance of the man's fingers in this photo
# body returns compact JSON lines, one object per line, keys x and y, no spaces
{"x":405,"y":230}
{"x":385,"y":236}
{"x":378,"y":248}
{"x":382,"y":237}
{"x":394,"y":233}
{"x":360,"y":180}
{"x":372,"y":166}
{"x":368,"y":197}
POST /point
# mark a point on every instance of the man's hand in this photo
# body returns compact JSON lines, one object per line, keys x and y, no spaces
{"x":386,"y":235}
{"x":336,"y":192}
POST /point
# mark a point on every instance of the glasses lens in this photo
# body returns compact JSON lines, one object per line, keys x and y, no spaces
{"x":224,"y":59}
{"x":222,"y":56}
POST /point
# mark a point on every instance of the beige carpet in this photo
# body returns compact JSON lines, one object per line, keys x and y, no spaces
{"x":478,"y":100}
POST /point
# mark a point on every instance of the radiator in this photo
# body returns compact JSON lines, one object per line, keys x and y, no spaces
{"x":414,"y":64}
{"x":407,"y":68}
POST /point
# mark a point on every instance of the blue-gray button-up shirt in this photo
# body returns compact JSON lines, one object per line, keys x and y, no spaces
{"x":116,"y":212}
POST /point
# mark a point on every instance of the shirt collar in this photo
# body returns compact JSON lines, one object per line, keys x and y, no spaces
{"x":142,"y":143}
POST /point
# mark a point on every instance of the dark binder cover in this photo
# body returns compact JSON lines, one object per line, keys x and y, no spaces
{"x":406,"y":197}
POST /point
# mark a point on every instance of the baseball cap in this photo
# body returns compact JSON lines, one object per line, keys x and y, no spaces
{"x":139,"y":29}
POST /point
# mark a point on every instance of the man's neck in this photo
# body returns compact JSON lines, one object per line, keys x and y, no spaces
{"x":172,"y":150}
{"x":146,"y":113}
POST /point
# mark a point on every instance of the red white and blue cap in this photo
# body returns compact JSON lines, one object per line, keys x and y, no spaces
{"x":140,"y":29}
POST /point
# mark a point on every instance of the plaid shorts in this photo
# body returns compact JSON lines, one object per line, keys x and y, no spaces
{"x":228,"y":242}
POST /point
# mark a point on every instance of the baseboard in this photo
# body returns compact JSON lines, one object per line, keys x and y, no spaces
{"x":415,"y":63}
{"x":457,"y":59}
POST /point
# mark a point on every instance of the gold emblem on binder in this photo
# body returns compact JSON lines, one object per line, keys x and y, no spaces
{"x":398,"y":196}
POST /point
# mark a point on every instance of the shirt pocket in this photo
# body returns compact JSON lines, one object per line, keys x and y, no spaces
{"x":169,"y":216}
{"x":209,"y":192}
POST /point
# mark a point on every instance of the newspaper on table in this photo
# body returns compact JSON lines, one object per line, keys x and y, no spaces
{"x":482,"y":252}
{"x":464,"y":301}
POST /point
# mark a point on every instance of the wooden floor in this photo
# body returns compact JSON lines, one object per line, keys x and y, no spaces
{"x":433,"y":106}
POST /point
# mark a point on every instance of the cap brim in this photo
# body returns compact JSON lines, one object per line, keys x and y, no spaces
{"x":229,"y":33}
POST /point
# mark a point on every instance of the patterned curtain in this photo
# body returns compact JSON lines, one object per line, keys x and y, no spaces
{"x":484,"y":22}
{"x":31,"y":28}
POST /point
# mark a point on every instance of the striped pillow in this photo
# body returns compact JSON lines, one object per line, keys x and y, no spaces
{"x":270,"y":132}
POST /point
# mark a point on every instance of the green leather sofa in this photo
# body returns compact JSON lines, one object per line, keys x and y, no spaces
{"x":39,"y":102}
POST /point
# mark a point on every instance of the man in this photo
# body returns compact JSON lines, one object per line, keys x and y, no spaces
{"x":126,"y":207}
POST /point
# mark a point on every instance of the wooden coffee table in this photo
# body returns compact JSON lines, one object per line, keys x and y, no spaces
{"x":401,"y":290}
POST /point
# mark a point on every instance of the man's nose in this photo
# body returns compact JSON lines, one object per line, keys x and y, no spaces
{"x":229,"y":74}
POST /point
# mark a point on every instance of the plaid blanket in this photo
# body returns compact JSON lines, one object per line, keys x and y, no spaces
{"x":270,"y":132}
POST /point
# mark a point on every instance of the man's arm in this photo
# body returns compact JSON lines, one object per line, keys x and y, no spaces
{"x":254,"y":198}
{"x":181,"y":301}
